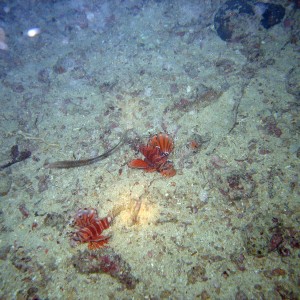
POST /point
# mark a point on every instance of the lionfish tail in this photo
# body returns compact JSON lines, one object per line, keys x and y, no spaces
{"x":98,"y":244}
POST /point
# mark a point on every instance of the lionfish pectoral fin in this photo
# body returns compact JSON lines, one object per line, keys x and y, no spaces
{"x":138,"y":164}
{"x":103,"y":240}
{"x":167,"y":169}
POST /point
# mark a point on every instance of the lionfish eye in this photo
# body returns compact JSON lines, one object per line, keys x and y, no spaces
{"x":162,"y":153}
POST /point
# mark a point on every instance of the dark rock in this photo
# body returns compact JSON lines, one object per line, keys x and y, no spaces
{"x":227,"y":19}
{"x":14,"y":152}
{"x":272,"y":15}
{"x":234,"y":16}
{"x":105,"y":261}
{"x":24,"y":155}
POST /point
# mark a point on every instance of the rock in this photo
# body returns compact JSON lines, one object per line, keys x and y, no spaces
{"x":228,"y":18}
{"x":234,"y":16}
{"x":272,"y":14}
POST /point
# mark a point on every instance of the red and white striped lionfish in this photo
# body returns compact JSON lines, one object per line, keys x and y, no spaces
{"x":90,"y":228}
{"x":156,"y":154}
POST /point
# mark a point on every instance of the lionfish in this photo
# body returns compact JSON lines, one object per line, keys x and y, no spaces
{"x":90,"y":228}
{"x":156,"y":154}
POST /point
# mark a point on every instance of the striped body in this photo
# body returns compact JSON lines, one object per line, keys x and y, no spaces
{"x":90,"y":228}
{"x":156,"y":154}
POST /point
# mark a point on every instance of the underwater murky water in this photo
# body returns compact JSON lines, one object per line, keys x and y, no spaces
{"x":209,"y":208}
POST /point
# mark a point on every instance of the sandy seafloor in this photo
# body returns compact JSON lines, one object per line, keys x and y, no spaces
{"x":226,"y":226}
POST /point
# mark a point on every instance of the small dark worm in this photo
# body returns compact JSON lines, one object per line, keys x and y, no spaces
{"x":67,"y":164}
